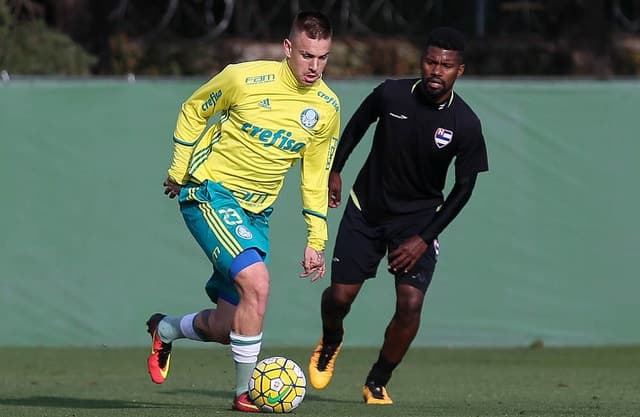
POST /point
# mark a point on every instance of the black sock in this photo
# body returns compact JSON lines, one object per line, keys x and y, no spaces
{"x":381,"y":371}
{"x":331,"y":336}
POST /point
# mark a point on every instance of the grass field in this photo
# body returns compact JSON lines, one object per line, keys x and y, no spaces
{"x":37,"y":382}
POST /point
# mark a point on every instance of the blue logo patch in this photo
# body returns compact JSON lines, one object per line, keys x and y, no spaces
{"x":309,"y":117}
{"x":442,"y":137}
{"x":243,"y":232}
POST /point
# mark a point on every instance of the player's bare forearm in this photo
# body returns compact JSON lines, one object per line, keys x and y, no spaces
{"x":335,"y":189}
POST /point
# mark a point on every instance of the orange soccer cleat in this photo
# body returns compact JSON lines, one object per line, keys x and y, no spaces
{"x":243,"y":403}
{"x":158,"y":362}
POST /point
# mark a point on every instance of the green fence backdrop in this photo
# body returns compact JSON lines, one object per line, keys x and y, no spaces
{"x":544,"y":250}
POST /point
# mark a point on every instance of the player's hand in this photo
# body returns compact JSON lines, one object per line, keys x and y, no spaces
{"x":171,"y":188}
{"x":335,"y":189}
{"x":405,"y":256}
{"x":313,"y":264}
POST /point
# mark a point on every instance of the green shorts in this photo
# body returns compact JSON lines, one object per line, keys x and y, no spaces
{"x":223,"y":230}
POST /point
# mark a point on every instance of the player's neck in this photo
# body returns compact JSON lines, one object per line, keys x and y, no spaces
{"x":440,"y":102}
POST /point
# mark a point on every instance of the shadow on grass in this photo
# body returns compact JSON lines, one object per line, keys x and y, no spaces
{"x":229,"y":394}
{"x":86,"y":403}
{"x":200,"y":392}
{"x":333,"y":400}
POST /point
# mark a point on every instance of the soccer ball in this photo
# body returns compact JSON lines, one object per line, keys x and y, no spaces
{"x":277,"y":385}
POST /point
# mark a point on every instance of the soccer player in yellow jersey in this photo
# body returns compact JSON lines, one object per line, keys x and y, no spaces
{"x":264,"y":117}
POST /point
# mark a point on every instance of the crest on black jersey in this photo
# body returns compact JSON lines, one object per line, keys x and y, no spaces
{"x":442,"y":137}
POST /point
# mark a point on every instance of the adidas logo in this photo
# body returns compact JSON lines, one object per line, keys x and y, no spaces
{"x":265,"y":104}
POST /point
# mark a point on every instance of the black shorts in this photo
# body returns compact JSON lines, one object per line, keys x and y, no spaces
{"x":361,"y":245}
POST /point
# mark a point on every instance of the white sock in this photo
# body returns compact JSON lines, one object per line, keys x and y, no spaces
{"x":172,"y":328}
{"x":245,"y":351}
{"x":186,"y":326}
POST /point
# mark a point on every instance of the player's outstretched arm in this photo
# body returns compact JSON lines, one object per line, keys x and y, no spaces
{"x":452,"y":206}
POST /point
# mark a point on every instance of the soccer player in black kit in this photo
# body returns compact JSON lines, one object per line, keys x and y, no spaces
{"x":396,"y":206}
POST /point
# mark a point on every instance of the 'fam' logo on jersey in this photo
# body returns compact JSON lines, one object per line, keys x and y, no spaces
{"x":260,"y":79}
{"x":442,"y":137}
{"x":309,"y":117}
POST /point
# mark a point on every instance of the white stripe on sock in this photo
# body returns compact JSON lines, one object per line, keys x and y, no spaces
{"x":186,"y":325}
{"x":245,"y":349}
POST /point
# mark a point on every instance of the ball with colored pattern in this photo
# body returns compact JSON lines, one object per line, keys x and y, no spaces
{"x":277,"y":385}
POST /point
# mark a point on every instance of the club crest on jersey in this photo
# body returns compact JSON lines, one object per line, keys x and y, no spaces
{"x":243,"y":232}
{"x":442,"y":137}
{"x":309,"y":117}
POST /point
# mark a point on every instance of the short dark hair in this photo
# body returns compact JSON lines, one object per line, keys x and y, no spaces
{"x":315,"y":24}
{"x":445,"y":37}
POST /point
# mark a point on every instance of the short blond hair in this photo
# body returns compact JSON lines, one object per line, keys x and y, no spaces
{"x":314,"y":24}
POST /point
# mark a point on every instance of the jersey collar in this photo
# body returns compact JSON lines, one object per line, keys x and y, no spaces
{"x":288,"y":79}
{"x":442,"y":106}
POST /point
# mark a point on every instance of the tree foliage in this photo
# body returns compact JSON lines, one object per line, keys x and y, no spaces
{"x":31,"y":47}
{"x":193,"y":37}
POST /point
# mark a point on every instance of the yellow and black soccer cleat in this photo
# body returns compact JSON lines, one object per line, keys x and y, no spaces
{"x":321,"y":364}
{"x":376,"y":394}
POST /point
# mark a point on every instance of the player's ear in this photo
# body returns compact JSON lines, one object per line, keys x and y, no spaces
{"x":460,"y":70}
{"x":286,"y":45}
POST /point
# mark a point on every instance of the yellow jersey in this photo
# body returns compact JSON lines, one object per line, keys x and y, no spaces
{"x":258,"y":121}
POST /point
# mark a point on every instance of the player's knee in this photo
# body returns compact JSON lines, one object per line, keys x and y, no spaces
{"x":255,"y":293}
{"x":253,"y":286}
{"x":409,"y":306}
{"x":407,"y":317}
{"x":342,"y":295}
{"x":336,"y":304}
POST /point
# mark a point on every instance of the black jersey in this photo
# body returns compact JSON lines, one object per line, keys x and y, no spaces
{"x":414,"y":143}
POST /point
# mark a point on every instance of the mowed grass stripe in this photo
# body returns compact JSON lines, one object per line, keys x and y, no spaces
{"x":430,"y":382}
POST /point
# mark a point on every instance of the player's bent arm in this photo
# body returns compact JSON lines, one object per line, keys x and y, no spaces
{"x":362,"y":118}
{"x":315,"y":204}
{"x":453,"y":204}
{"x":178,"y":170}
{"x":316,"y":163}
{"x":317,"y":233}
{"x":335,"y":189}
{"x":214,"y":96}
